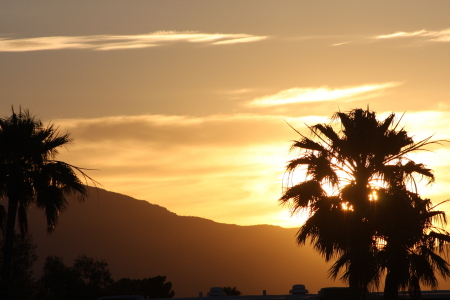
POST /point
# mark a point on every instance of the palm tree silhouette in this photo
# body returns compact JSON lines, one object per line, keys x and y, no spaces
{"x":365,"y":155}
{"x":30,"y":175}
{"x":405,"y":222}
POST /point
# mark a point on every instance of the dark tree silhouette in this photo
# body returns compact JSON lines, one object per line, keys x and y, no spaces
{"x":57,"y":281}
{"x":31,"y":175}
{"x":94,"y":275}
{"x":24,"y":256}
{"x":153,"y":287}
{"x":87,"y":279}
{"x":231,"y":291}
{"x":354,"y":164}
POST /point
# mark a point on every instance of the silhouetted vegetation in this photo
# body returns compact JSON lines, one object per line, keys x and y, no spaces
{"x":24,"y":256}
{"x":58,"y":281}
{"x":231,"y":291}
{"x":370,"y":222}
{"x":86,"y":279}
{"x":90,"y":279}
{"x":154,"y":287}
{"x":31,"y":175}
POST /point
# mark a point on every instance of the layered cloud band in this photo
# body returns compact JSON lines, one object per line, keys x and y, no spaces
{"x":118,"y":42}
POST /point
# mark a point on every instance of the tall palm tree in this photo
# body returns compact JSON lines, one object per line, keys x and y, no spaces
{"x":364,"y":153}
{"x":30,"y":175}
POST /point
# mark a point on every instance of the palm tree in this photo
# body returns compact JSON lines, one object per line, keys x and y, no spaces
{"x":364,"y":153}
{"x":405,"y":222}
{"x":30,"y":175}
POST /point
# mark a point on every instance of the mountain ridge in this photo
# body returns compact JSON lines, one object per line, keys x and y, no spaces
{"x":139,"y":239}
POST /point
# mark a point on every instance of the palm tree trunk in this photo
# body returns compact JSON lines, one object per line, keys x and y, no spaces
{"x":8,"y":248}
{"x":391,"y":285}
{"x":354,"y":293}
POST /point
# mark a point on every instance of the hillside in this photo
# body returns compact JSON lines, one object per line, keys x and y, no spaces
{"x":139,"y":239}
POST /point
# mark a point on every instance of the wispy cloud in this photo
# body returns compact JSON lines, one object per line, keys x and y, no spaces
{"x":248,"y":39}
{"x":299,"y":95}
{"x":432,"y":36}
{"x":340,"y":44}
{"x":118,"y":42}
{"x":422,"y":36}
{"x":238,"y":91}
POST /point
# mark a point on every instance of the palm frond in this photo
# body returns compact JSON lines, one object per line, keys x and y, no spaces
{"x":302,"y":195}
{"x":308,"y":144}
{"x":386,"y":123}
{"x":327,"y":131}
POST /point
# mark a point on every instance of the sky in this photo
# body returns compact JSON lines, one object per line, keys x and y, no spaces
{"x":186,"y":104}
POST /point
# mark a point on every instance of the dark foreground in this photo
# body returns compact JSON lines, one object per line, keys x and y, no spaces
{"x":429,"y":295}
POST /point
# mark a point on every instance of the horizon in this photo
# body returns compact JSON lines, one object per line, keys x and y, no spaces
{"x":185,"y":104}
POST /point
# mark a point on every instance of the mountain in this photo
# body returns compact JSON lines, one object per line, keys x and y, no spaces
{"x":139,"y":239}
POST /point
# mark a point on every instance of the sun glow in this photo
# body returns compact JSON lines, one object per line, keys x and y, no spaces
{"x":373,"y":196}
{"x":347,"y":206}
{"x":289,"y":220}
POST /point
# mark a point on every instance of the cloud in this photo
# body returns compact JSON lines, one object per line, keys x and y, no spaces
{"x":431,"y":36}
{"x":340,"y":44}
{"x":422,"y":35}
{"x":300,"y":95}
{"x":117,"y":42}
{"x":237,"y":91}
{"x":240,"y":40}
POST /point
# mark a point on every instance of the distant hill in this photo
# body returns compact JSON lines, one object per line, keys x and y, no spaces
{"x":139,"y":239}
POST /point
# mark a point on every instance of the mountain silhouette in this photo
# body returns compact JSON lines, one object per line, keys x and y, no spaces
{"x":139,"y":239}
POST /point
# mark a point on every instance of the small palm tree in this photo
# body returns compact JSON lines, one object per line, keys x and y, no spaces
{"x":30,"y":175}
{"x":231,"y":291}
{"x":364,"y":154}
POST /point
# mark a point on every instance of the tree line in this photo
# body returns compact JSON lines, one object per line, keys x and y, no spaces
{"x":88,"y":278}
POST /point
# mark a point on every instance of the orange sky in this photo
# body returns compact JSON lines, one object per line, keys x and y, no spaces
{"x":184,"y":103}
